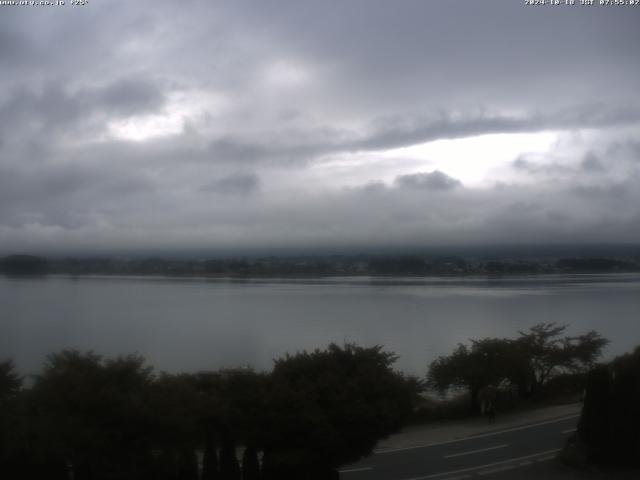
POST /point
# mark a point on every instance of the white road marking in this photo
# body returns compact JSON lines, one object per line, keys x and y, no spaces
{"x":571,"y":430}
{"x":471,"y":452}
{"x":473,"y":437}
{"x":353,"y":470}
{"x":488,"y":465}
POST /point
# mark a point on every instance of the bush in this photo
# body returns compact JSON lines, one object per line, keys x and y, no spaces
{"x":609,"y":425}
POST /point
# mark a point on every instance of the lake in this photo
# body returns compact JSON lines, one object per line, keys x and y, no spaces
{"x":197,"y":323}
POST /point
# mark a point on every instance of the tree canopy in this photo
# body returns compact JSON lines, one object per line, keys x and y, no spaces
{"x":547,"y":353}
{"x":527,"y":362}
{"x":115,"y":418}
{"x":341,"y":401}
{"x":609,"y":427}
{"x":10,"y":381}
{"x":93,"y":411}
{"x":482,"y":363}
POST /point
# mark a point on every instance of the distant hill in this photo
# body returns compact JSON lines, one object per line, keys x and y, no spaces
{"x":488,"y":264}
{"x":24,"y":265}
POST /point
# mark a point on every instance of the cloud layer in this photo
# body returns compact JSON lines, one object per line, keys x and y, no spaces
{"x":244,"y":124}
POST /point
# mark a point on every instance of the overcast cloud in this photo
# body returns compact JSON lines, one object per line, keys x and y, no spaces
{"x":178,"y":125}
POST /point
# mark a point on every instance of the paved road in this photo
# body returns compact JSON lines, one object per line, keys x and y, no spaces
{"x":480,"y":455}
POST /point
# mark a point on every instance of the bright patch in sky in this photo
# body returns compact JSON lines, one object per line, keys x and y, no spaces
{"x":146,"y":127}
{"x":475,"y":160}
{"x":181,"y":108}
{"x":285,"y":74}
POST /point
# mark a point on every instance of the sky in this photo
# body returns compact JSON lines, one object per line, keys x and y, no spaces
{"x":175,"y":126}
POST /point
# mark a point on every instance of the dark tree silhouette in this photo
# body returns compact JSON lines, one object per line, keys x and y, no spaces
{"x":187,"y":464}
{"x":210,"y":457}
{"x":24,"y":265}
{"x":547,"y":353}
{"x":483,"y":363}
{"x":330,"y":407}
{"x":527,"y":362}
{"x":229,"y":466}
{"x":250,"y":464}
{"x":594,"y":423}
{"x":10,"y":434}
{"x":92,"y":413}
{"x":166,"y":465}
{"x":114,"y":419}
{"x":10,"y":381}
{"x":609,"y":426}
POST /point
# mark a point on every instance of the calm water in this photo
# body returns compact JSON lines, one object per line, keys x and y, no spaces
{"x":197,"y":324}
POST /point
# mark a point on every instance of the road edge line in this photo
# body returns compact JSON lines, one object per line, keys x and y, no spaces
{"x":488,"y":465}
{"x":479,"y":435}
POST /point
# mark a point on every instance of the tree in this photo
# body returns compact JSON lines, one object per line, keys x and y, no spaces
{"x":175,"y":407}
{"x":10,"y":381}
{"x":609,"y":427}
{"x":528,"y":362}
{"x":93,"y":413}
{"x":594,"y":423}
{"x":485,"y":362}
{"x":229,"y":466}
{"x":250,"y":464}
{"x":330,"y":407}
{"x":24,"y":265}
{"x":210,"y":458}
{"x":10,"y":384}
{"x":187,"y":464}
{"x":625,"y":410}
{"x":233,"y":401}
{"x":547,"y":353}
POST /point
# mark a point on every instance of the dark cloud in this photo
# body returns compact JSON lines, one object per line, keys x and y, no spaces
{"x":235,"y":184}
{"x":453,"y":52}
{"x":591,"y":163}
{"x":612,"y":193}
{"x":65,"y":196}
{"x":435,"y":181}
{"x":400,"y":131}
{"x":228,"y":148}
{"x":540,"y":166}
{"x":15,"y":48}
{"x":55,"y":109}
{"x":124,"y":97}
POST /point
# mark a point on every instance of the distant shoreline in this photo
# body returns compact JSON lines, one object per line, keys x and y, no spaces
{"x":363,"y":266}
{"x":363,"y":278}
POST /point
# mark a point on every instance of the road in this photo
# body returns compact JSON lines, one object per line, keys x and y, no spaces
{"x":478,"y":456}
